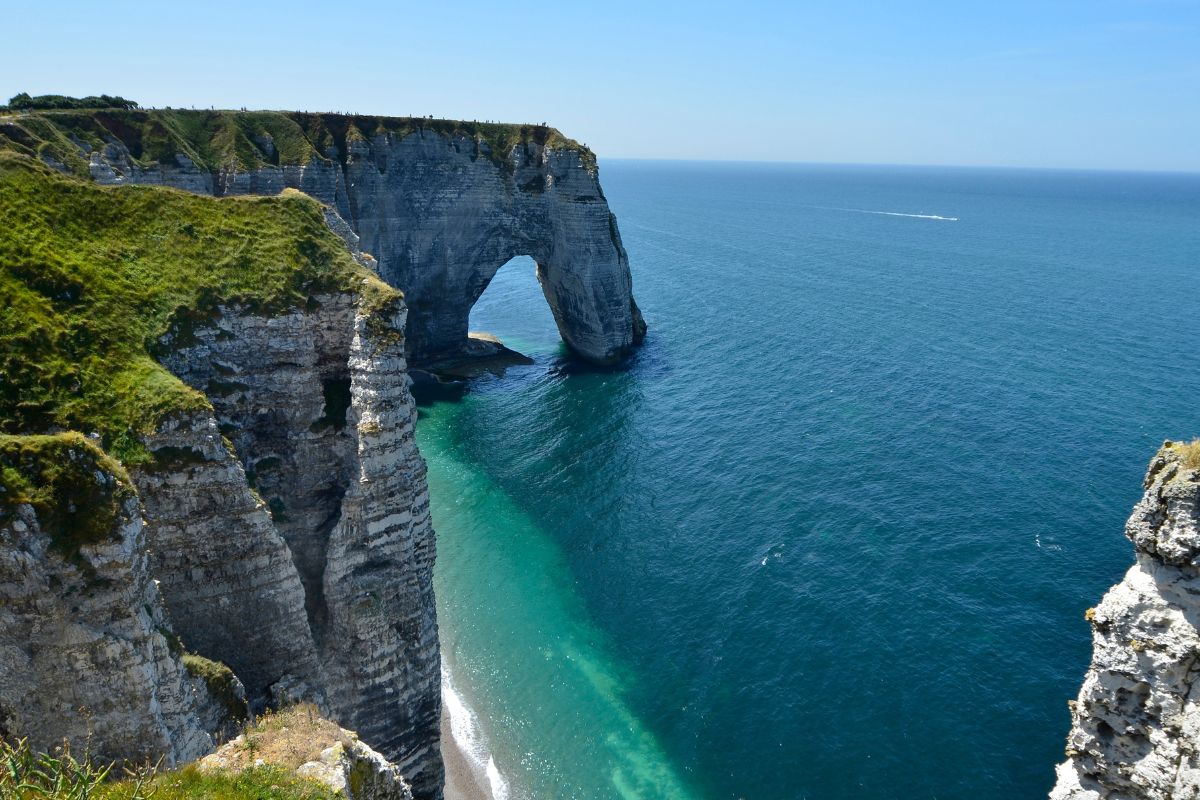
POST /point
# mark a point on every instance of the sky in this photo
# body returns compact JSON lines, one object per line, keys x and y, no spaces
{"x":1107,"y":84}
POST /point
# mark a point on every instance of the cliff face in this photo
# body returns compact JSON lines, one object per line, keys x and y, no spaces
{"x":442,"y":205}
{"x":82,"y":650}
{"x":333,"y":548}
{"x":245,"y":363}
{"x":272,"y":512}
{"x":442,"y":221}
{"x":343,"y":617}
{"x":1136,"y":723}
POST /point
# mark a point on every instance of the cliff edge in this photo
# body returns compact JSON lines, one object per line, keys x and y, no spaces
{"x":1136,"y":725}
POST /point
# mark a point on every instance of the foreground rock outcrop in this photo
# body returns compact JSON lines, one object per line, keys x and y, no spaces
{"x":302,"y":743}
{"x":1136,"y":724}
{"x":443,"y":205}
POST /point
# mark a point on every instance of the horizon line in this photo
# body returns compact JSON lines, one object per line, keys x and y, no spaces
{"x":924,"y":165}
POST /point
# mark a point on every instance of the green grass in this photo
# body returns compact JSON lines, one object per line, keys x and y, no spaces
{"x":258,"y":783}
{"x":217,"y":140}
{"x":29,"y":775}
{"x":92,"y":277}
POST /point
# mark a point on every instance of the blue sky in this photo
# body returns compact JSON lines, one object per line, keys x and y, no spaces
{"x":1104,"y":83}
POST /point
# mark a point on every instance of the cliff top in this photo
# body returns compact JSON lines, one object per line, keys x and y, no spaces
{"x":1185,"y":454}
{"x":243,"y":140}
{"x":287,"y":738}
{"x":92,"y":277}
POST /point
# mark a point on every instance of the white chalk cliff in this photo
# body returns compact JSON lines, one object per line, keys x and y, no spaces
{"x":281,"y":530}
{"x":1136,"y":725}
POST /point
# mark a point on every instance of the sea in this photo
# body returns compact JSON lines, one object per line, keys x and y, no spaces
{"x":831,"y":532}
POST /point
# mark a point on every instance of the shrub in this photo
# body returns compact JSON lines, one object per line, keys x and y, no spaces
{"x":24,"y":101}
{"x":1189,"y":453}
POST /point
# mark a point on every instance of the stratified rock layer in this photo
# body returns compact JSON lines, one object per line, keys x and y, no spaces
{"x":298,"y":551}
{"x":217,"y":555}
{"x":322,"y":576}
{"x":83,"y":657}
{"x":1136,"y":723}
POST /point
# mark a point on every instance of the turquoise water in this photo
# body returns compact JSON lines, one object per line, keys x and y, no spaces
{"x":832,"y":533}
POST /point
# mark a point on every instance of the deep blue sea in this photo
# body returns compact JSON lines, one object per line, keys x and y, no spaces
{"x":832,"y":532}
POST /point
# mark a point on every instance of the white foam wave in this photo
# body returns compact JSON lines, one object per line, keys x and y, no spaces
{"x":1037,"y":538}
{"x":464,"y":727}
{"x":890,"y":213}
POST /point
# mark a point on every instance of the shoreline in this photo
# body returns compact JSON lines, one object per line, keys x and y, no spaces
{"x":467,"y":761}
{"x":461,"y":782}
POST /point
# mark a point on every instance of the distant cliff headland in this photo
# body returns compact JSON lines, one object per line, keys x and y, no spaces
{"x":441,"y":204}
{"x":1136,"y":724}
{"x":211,"y":502}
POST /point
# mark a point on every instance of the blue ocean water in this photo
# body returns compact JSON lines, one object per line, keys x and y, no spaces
{"x":833,"y":531}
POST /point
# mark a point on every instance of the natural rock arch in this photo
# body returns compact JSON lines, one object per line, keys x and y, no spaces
{"x":443,"y":225}
{"x":441,"y":204}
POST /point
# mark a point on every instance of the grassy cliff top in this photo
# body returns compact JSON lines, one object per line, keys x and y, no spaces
{"x":92,"y":277}
{"x":216,"y":140}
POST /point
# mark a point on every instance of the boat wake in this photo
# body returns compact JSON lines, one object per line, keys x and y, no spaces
{"x":889,"y":213}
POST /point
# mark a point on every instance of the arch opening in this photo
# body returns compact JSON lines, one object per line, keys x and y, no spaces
{"x":512,"y":308}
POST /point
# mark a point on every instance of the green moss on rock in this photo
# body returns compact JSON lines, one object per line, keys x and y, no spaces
{"x":74,"y":488}
{"x":221,"y":684}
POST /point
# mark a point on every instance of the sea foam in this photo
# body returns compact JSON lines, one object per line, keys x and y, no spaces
{"x":464,"y":727}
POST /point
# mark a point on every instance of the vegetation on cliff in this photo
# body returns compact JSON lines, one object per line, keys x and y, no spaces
{"x":48,"y":101}
{"x":93,"y":278}
{"x":221,"y":684}
{"x":29,"y":775}
{"x":75,"y":489}
{"x":241,"y":140}
{"x":263,"y":763}
{"x":1188,"y":452}
{"x":286,"y":739}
